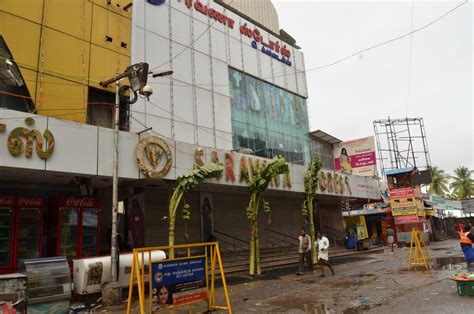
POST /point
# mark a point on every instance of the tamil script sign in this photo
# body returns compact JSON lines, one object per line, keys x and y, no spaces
{"x":403,"y":206}
{"x":412,"y":219}
{"x":356,"y":157}
{"x":402,"y":193}
{"x":179,"y":282}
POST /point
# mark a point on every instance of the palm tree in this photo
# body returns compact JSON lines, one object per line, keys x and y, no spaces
{"x":439,"y":182}
{"x":462,"y":185}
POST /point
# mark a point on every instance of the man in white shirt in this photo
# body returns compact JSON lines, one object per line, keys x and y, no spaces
{"x":304,"y":251}
{"x":323,"y":254}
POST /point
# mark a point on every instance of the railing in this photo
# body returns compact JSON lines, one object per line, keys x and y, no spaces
{"x":229,"y":243}
{"x":279,"y":239}
{"x":334,"y":232}
{"x":335,"y":236}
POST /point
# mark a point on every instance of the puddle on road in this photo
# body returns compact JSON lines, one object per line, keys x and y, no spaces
{"x":354,"y":281}
{"x":300,"y":304}
{"x":449,"y":263}
{"x":338,"y":282}
{"x":444,"y":263}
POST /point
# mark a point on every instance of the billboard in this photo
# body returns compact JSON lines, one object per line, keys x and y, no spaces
{"x":179,"y":282}
{"x":356,"y":157}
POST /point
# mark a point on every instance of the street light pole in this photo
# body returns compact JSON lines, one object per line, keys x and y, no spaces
{"x":137,"y":75}
{"x":114,"y":251}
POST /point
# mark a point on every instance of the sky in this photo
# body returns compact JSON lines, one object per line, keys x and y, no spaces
{"x":346,"y":98}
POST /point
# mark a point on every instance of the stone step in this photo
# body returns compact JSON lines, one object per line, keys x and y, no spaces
{"x":275,"y":254}
{"x":234,"y":268}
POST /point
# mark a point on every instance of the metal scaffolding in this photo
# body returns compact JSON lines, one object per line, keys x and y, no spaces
{"x":401,"y":143}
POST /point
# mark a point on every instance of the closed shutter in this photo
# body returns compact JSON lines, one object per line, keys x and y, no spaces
{"x":156,"y":228}
{"x":230,"y":215}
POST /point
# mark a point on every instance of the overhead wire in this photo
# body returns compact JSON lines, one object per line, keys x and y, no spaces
{"x":377,"y":45}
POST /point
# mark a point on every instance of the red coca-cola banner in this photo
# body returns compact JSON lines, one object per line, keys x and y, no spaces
{"x":30,"y":201}
{"x":7,"y":201}
{"x":78,"y":201}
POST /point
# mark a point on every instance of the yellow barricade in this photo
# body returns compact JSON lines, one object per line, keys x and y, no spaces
{"x":184,"y":280}
{"x":419,"y":255}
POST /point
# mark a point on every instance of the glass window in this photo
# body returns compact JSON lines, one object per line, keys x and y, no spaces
{"x":268,"y":119}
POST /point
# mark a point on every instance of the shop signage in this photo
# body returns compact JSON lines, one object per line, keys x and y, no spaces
{"x":333,"y":182}
{"x":431,"y":212}
{"x":153,"y":157}
{"x":30,"y":201}
{"x":438,"y":199}
{"x":408,"y":219}
{"x":178,"y":282}
{"x":402,"y":193}
{"x":403,"y":206}
{"x":79,"y":201}
{"x":248,"y":166}
{"x":7,"y":201}
{"x":213,"y":14}
{"x":272,"y":48}
{"x":21,"y":139}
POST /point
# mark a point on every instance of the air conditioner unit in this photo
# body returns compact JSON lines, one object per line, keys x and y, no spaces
{"x":91,"y":273}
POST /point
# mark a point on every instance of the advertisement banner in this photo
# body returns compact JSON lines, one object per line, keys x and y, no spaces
{"x":179,"y":282}
{"x":402,"y":193}
{"x":413,"y":219}
{"x":403,"y":206}
{"x":356,"y":157}
{"x":431,"y":212}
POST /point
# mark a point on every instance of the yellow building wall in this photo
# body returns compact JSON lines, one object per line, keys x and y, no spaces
{"x":359,"y":223}
{"x":61,"y":49}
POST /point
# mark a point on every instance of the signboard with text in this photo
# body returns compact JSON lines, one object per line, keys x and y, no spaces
{"x":403,"y":206}
{"x":402,"y":193}
{"x":412,"y":219}
{"x":356,"y":157}
{"x":179,"y":282}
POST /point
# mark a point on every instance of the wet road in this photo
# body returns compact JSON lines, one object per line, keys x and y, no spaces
{"x":377,"y":283}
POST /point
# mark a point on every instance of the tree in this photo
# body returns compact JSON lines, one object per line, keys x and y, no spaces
{"x":439,"y":182}
{"x":310,"y":186}
{"x":186,"y":183}
{"x":462,"y":185}
{"x":258,"y":183}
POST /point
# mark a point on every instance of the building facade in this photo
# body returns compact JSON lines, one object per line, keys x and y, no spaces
{"x":63,"y":50}
{"x":237,"y":96}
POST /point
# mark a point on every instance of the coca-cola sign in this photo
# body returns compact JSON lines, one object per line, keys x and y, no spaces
{"x":80,"y":202}
{"x":6,"y":200}
{"x":30,"y":201}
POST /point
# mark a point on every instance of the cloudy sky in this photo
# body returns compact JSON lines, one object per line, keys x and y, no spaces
{"x":344,"y":99}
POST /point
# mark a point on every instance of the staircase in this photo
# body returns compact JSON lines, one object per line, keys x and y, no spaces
{"x":281,"y":251}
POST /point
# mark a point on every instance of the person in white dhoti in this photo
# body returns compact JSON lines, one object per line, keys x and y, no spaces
{"x":323,"y":254}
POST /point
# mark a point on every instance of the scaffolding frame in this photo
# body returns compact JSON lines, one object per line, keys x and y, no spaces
{"x":401,"y":143}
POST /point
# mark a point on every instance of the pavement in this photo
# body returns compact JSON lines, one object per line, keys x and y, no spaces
{"x":375,"y":283}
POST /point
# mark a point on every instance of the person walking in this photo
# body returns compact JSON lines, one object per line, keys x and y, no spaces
{"x":466,"y":238}
{"x":390,"y":236}
{"x":304,"y":251}
{"x":323,"y":254}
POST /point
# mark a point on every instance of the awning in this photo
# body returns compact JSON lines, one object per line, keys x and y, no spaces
{"x":398,"y":171}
